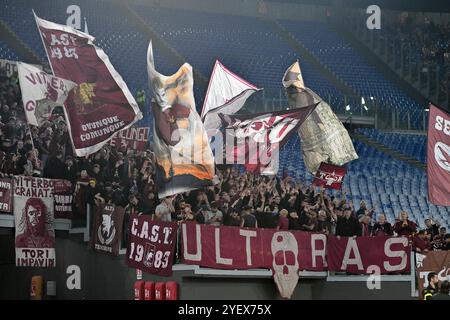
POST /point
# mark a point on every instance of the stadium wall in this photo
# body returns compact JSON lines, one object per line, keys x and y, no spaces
{"x":106,"y":277}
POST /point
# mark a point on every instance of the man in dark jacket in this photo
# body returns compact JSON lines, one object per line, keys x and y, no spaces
{"x":347,"y":226}
{"x":55,"y":167}
{"x":432,"y":288}
{"x":382,"y":227}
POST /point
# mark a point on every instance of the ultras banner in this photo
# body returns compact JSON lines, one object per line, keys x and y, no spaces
{"x":364,"y":255}
{"x":33,"y":211}
{"x":438,"y":157}
{"x":151,"y":245}
{"x":101,"y":104}
{"x":244,"y":248}
{"x":107,"y":232}
{"x":184,"y":158}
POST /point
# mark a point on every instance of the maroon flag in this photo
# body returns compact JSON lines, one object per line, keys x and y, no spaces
{"x":438,"y":157}
{"x":6,"y":196}
{"x":63,"y":197}
{"x":330,"y":176}
{"x":101,"y":104}
{"x":107,"y":231}
{"x":259,"y":137}
{"x":151,"y":245}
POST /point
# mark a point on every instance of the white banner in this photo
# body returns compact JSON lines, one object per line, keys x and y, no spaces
{"x":41,"y":92}
{"x":33,"y":212}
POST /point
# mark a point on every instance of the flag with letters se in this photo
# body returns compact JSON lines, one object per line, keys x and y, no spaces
{"x":330,"y":176}
{"x":438,"y":157}
{"x":101,"y":104}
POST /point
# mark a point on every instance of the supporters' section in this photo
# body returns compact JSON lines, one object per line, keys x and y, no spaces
{"x":175,"y":207}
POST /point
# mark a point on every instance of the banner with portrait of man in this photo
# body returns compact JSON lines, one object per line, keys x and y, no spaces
{"x":107,"y":232}
{"x":184,"y":158}
{"x":33,"y":212}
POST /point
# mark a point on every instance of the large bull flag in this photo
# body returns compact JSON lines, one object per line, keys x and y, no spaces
{"x":324,"y":138}
{"x":41,"y":92}
{"x":184,"y":157}
{"x":438,"y":157}
{"x":259,"y":137}
{"x":101,"y":105}
{"x":227,"y":93}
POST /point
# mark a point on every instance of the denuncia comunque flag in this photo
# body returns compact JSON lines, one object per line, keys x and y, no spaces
{"x":101,"y":104}
{"x":41,"y":92}
{"x":330,"y":176}
{"x":324,"y":138}
{"x":184,"y":157}
{"x":254,"y":139}
{"x":33,"y":212}
{"x":438,"y":157}
{"x":227,"y":93}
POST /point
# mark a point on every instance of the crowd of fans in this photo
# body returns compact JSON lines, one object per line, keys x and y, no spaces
{"x":126,"y":178}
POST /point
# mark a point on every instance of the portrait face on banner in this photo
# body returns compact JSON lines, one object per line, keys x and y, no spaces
{"x":35,"y":227}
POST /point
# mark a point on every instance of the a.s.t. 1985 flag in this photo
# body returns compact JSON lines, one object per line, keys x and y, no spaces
{"x":184,"y":157}
{"x":438,"y":157}
{"x":101,"y":104}
{"x":41,"y":92}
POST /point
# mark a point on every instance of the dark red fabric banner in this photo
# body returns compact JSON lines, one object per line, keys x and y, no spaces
{"x":245,"y":248}
{"x":6,"y":187}
{"x":63,"y":195}
{"x":151,"y":245}
{"x":438,"y":157}
{"x":433,"y":261}
{"x":356,"y":255}
{"x":101,"y":104}
{"x":330,"y":176}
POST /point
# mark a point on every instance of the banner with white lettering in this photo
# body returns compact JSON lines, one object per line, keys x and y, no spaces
{"x":244,"y":248}
{"x":6,"y":195}
{"x":41,"y":92}
{"x":330,"y":176}
{"x":101,"y":104}
{"x":438,"y":157}
{"x":63,"y":195}
{"x":364,"y":255}
{"x":135,"y":138}
{"x":107,"y":231}
{"x":33,"y":211}
{"x":432,"y":261}
{"x":151,"y":245}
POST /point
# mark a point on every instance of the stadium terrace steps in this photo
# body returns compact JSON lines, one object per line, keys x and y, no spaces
{"x":22,"y":51}
{"x":308,"y":56}
{"x":383,"y":66}
{"x":389,"y":151}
